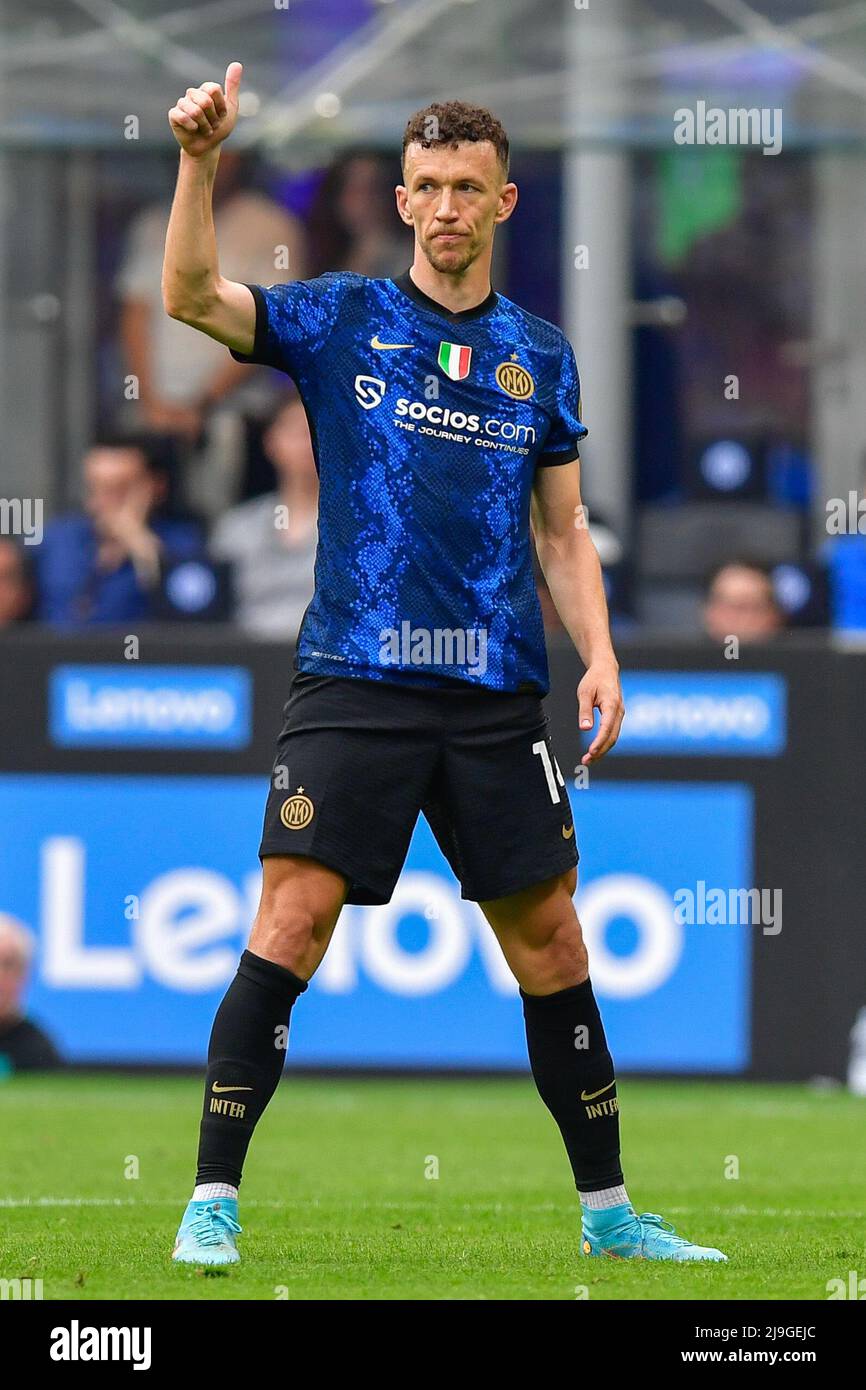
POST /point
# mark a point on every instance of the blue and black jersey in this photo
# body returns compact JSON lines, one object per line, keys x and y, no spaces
{"x":427,"y":427}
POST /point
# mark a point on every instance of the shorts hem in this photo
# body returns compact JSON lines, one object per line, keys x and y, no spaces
{"x":520,"y":882}
{"x":359,"y":893}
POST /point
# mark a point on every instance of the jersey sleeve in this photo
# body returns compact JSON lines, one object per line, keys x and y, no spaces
{"x":292,"y":322}
{"x":566,"y":428}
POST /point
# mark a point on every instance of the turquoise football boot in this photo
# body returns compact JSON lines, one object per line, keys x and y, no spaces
{"x":623,"y":1235}
{"x":206,"y":1235}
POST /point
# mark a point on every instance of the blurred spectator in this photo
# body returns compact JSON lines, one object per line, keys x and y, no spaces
{"x":23,"y":1044}
{"x":182,"y":374}
{"x":353,"y":222}
{"x":741,"y":602}
{"x":271,"y":541}
{"x":16,"y":584}
{"x":105,"y":564}
{"x":189,"y":386}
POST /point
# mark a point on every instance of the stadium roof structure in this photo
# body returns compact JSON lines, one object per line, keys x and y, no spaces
{"x":322,"y":73}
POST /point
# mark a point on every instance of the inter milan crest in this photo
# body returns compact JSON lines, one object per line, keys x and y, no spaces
{"x":297,"y":811}
{"x":514,"y":380}
{"x":454,"y":360}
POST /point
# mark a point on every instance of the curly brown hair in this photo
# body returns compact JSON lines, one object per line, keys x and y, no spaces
{"x":450,"y":122}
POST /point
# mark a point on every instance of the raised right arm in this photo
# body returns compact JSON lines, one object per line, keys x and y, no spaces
{"x":192,"y":288}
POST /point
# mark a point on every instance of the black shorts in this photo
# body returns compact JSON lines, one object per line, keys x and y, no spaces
{"x":357,"y":760}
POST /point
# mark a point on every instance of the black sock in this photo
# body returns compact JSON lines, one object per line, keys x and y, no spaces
{"x":248,"y":1044}
{"x":574,"y":1073}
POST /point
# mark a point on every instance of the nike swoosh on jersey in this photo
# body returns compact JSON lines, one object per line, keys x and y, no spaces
{"x":387,"y":347}
{"x":218,"y":1089}
{"x":567,"y":832}
{"x":584,"y":1096}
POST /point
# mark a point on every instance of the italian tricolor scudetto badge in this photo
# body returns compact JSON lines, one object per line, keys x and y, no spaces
{"x":454,"y":360}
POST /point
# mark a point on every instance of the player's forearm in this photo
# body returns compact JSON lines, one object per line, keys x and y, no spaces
{"x":572,"y":571}
{"x":190,"y":273}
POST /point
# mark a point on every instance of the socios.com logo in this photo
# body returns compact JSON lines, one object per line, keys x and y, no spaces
{"x":159,"y":706}
{"x":369,"y":391}
{"x":699,"y":713}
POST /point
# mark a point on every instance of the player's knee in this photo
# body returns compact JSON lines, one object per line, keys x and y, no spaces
{"x":282,"y":923}
{"x":556,"y":919}
{"x":293,"y":912}
{"x":558,"y":915}
{"x":561,"y":937}
{"x":567,"y":941}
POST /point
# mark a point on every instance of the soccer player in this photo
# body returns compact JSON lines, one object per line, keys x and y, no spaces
{"x":443,"y":416}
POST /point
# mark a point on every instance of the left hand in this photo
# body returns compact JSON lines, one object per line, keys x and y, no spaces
{"x":126,"y":534}
{"x":600,"y":689}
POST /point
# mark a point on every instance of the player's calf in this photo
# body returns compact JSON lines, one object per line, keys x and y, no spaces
{"x":300,"y":903}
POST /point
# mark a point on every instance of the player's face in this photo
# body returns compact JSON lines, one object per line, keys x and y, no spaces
{"x":455,"y":196}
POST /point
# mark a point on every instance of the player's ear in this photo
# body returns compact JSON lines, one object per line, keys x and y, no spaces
{"x":507,"y":201}
{"x":402,"y":195}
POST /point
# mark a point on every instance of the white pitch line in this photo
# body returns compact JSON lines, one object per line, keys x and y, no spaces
{"x":298,"y":1203}
{"x":301,"y":1204}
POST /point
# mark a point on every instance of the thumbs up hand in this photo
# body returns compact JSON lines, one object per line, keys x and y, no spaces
{"x":203,"y":118}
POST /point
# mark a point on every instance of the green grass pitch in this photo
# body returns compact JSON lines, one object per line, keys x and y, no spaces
{"x":338,"y":1202}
